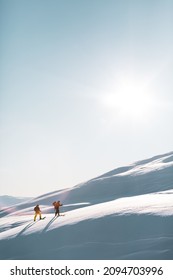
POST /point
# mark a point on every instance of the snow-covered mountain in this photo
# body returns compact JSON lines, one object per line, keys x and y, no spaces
{"x":6,"y":200}
{"x":126,"y":213}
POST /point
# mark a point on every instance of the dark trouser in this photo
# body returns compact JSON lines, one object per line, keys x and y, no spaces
{"x":57,"y":212}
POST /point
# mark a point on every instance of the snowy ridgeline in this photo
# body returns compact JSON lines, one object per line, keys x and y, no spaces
{"x":6,"y":200}
{"x":124,"y":214}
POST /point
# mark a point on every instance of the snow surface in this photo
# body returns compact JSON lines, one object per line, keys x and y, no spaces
{"x":6,"y":200}
{"x":126,"y":213}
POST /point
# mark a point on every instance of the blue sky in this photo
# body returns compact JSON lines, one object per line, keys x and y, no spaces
{"x":86,"y":86}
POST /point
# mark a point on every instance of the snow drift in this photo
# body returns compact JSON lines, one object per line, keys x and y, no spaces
{"x":123,"y":214}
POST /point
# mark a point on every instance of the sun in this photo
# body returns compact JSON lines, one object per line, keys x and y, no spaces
{"x":130,"y":99}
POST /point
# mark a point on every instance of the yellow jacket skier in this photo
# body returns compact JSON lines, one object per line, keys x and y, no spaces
{"x":37,"y":212}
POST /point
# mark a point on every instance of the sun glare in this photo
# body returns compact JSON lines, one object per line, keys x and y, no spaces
{"x":129,"y":100}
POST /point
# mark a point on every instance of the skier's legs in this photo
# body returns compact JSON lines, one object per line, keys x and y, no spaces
{"x":35,"y":216}
{"x":38,"y":213}
{"x":57,"y":212}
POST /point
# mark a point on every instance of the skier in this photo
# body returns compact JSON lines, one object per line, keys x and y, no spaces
{"x":37,"y":212}
{"x":56,"y":205}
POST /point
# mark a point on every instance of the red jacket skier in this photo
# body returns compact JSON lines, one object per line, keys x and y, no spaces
{"x":56,"y":205}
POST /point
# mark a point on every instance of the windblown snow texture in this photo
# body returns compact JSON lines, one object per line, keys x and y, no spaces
{"x":126,"y":213}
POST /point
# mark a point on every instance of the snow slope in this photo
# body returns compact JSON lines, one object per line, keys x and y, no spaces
{"x":6,"y":200}
{"x":126,"y":213}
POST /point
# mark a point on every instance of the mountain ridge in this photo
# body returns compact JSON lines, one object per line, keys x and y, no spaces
{"x":127,"y":215}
